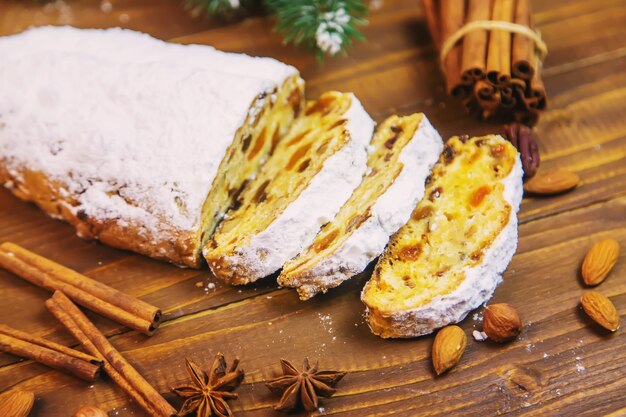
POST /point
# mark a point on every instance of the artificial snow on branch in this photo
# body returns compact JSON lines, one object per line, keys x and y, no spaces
{"x":328,"y":26}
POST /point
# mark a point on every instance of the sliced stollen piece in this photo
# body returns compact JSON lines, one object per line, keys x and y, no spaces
{"x":137,"y":142}
{"x":449,"y":257}
{"x":311,"y":173}
{"x":402,"y":152}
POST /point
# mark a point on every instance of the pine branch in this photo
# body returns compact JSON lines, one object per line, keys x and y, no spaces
{"x":327,"y":26}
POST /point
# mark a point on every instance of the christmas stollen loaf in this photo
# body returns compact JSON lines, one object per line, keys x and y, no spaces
{"x":137,"y":142}
{"x":449,"y":257}
{"x":311,"y":173}
{"x":401,"y":155}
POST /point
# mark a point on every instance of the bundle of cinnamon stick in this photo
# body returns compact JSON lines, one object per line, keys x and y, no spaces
{"x":490,"y":57}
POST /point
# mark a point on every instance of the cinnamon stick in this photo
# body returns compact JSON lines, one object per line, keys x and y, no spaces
{"x":27,"y":337}
{"x":94,"y":295}
{"x":526,"y":101}
{"x":507,"y":101}
{"x":432,"y":20}
{"x":537,"y":88}
{"x":73,"y":328}
{"x":484,"y":90}
{"x":79,"y":368}
{"x":499,"y":52}
{"x":523,"y":49}
{"x":475,"y":42}
{"x":116,"y":366}
{"x":452,"y":19}
{"x":487,"y":97}
{"x":532,"y":95}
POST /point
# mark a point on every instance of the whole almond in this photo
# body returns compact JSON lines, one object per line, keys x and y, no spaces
{"x":16,"y":403}
{"x":599,"y":261}
{"x":501,"y":322}
{"x":552,"y":182}
{"x":89,"y":411}
{"x":448,"y":348}
{"x":601,"y":310}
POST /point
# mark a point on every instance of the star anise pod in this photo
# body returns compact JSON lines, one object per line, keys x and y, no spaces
{"x":208,"y":394}
{"x":302,"y":388}
{"x":521,"y":137}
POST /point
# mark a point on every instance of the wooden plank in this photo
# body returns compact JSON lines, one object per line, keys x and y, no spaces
{"x":389,"y":376}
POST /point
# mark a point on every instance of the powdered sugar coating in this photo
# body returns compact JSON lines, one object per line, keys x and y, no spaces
{"x":124,"y":45}
{"x":296,"y":227}
{"x":480,"y":281}
{"x":133,"y":128}
{"x":389,"y":213}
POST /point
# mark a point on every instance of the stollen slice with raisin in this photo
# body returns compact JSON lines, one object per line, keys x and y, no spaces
{"x":310,"y":174}
{"x":401,"y":155}
{"x":450,"y":256}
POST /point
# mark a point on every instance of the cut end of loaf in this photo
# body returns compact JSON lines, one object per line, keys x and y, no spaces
{"x":269,"y":119}
{"x":233,"y":254}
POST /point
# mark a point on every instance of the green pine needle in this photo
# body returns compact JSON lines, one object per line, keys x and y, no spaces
{"x":326,"y":26}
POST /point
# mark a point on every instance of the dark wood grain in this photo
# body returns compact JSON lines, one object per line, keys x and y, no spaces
{"x":561,"y":365}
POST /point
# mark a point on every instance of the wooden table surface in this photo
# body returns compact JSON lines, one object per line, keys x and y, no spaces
{"x":561,"y":364}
